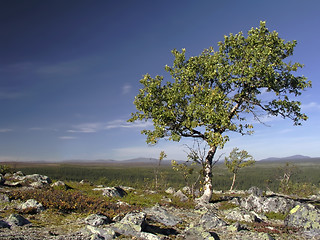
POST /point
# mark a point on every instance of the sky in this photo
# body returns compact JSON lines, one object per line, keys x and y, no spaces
{"x":69,"y":72}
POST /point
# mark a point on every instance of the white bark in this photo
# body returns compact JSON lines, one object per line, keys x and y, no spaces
{"x":207,"y":185}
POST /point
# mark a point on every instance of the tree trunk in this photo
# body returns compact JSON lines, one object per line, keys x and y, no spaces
{"x":207,"y":185}
{"x":234,"y":179}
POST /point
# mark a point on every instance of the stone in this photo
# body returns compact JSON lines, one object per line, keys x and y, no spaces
{"x":96,"y":220}
{"x":60,"y":185}
{"x":267,"y":204}
{"x":31,"y":204}
{"x":304,"y":216}
{"x":210,"y":221}
{"x":170,"y":190}
{"x":255,"y":191}
{"x":111,"y":191}
{"x":99,"y":233}
{"x":4,"y":198}
{"x":242,"y":215}
{"x":4,"y":224}
{"x":179,"y":194}
{"x":161,"y":215}
{"x":2,"y":180}
{"x":199,"y":233}
{"x":186,"y":190}
{"x":18,"y":220}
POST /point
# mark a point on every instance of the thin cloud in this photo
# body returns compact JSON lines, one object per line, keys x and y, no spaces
{"x":67,"y":137}
{"x":10,"y":95}
{"x":98,"y":126}
{"x":126,"y":89}
{"x":311,"y":106}
{"x":4,"y":130}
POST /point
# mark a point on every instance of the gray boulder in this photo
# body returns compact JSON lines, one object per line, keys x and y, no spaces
{"x":161,"y":215}
{"x":111,"y":191}
{"x":255,"y":191}
{"x":4,"y":224}
{"x":210,"y":221}
{"x":267,"y":204}
{"x":18,"y":220}
{"x":2,"y":180}
{"x":242,"y":215}
{"x":170,"y":190}
{"x":4,"y":198}
{"x":199,"y":233}
{"x":96,"y":220}
{"x":304,"y":216}
{"x":99,"y":233}
{"x":31,"y":204}
{"x":179,"y":194}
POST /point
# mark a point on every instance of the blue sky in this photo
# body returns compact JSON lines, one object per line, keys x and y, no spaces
{"x":69,"y":71}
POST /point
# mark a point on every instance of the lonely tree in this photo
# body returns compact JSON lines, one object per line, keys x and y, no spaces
{"x":218,"y":92}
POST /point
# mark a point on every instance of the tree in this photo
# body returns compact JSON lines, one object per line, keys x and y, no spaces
{"x":237,"y":160}
{"x":219,"y":91}
{"x":162,"y":156}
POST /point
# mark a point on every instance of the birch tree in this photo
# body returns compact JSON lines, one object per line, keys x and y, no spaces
{"x":218,"y":92}
{"x":237,"y":160}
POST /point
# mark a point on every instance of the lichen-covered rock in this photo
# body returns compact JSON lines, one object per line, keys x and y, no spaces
{"x":242,"y":215}
{"x":161,"y":215}
{"x":18,"y":220}
{"x":179,"y":194}
{"x":31,"y":204}
{"x":135,"y":221}
{"x":4,"y":198}
{"x":170,"y":190}
{"x":267,"y":204}
{"x":199,"y":233}
{"x":2,"y":180}
{"x":111,"y":191}
{"x":255,"y":191}
{"x":99,"y":233}
{"x":210,"y":221}
{"x":304,"y":216}
{"x":97,"y":220}
{"x":60,"y":185}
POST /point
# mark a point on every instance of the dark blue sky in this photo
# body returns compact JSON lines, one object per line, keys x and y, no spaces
{"x":69,"y":71}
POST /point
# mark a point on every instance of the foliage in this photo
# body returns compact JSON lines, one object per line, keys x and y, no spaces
{"x":237,"y":160}
{"x":162,"y":156}
{"x":5,"y":169}
{"x":216,"y":90}
{"x":71,"y":201}
{"x":298,"y":189}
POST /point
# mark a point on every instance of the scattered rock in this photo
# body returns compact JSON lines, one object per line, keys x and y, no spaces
{"x":4,"y":198}
{"x":60,"y":185}
{"x":179,"y":194}
{"x":2,"y":180}
{"x":161,"y":215}
{"x":31,"y":205}
{"x":170,"y":190}
{"x":186,"y":190}
{"x":4,"y":224}
{"x":255,"y":191}
{"x":96,"y":220}
{"x":18,"y":220}
{"x":199,"y":233}
{"x":304,"y":216}
{"x":242,"y":215}
{"x":99,"y":233}
{"x":267,"y":204}
{"x":111,"y":191}
{"x":210,"y":220}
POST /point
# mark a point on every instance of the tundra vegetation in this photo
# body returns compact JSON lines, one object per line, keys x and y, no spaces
{"x":222,"y":91}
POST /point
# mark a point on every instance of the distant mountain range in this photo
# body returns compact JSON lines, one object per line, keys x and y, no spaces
{"x":291,"y":158}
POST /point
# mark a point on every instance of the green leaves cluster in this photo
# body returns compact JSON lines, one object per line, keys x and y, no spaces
{"x":218,"y":91}
{"x":237,"y":160}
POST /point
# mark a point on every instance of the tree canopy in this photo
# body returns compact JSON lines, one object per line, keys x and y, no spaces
{"x":217,"y":91}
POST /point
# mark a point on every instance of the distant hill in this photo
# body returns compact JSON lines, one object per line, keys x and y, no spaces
{"x":290,"y":158}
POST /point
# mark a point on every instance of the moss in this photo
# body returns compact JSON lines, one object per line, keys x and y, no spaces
{"x":276,"y":215}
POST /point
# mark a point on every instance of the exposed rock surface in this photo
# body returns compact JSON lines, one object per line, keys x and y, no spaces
{"x":111,"y":191}
{"x":96,"y":220}
{"x":31,"y":204}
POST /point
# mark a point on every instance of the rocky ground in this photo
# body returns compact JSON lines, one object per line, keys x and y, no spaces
{"x":251,"y":214}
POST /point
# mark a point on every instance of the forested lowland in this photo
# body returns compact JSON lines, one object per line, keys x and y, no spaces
{"x":266,"y":175}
